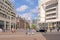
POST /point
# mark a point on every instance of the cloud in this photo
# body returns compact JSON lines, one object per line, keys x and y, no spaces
{"x":12,"y":1}
{"x":27,"y":16}
{"x":22,"y":8}
{"x":30,"y":1}
{"x":35,"y":10}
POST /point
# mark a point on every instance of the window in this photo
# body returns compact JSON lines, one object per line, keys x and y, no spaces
{"x":1,"y":14}
{"x":51,"y":10}
{"x":51,"y":18}
{"x":52,"y":14}
{"x":5,"y":16}
{"x":8,"y":17}
{"x":52,"y":5}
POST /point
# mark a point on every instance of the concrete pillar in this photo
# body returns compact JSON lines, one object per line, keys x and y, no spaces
{"x":10,"y":26}
{"x":15,"y":25}
{"x":4,"y":26}
{"x":48,"y":27}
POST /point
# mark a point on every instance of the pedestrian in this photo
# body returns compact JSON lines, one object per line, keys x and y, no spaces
{"x":58,"y":29}
{"x":50,"y":29}
{"x":4,"y":30}
{"x":28,"y":31}
{"x":33,"y":31}
{"x":13,"y":30}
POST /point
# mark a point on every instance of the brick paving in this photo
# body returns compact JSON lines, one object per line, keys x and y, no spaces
{"x":20,"y":36}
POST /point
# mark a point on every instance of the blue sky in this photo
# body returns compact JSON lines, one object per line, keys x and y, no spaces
{"x":26,"y":8}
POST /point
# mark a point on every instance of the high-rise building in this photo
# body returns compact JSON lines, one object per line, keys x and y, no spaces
{"x":7,"y":15}
{"x":52,"y":12}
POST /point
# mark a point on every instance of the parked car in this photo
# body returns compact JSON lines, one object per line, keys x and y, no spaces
{"x":37,"y":30}
{"x":42,"y":30}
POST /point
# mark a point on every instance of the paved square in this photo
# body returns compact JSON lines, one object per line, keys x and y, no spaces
{"x":20,"y":36}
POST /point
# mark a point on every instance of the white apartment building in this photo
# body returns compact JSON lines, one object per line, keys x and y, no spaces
{"x":41,"y":13}
{"x":52,"y":12}
{"x":7,"y":15}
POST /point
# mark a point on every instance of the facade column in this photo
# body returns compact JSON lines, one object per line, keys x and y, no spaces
{"x":48,"y":27}
{"x":10,"y":24}
{"x":4,"y":26}
{"x":15,"y":25}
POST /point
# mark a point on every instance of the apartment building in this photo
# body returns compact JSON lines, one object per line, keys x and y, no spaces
{"x":52,"y":12}
{"x":41,"y":13}
{"x":51,"y":9}
{"x":7,"y":15}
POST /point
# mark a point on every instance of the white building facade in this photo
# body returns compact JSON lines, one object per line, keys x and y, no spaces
{"x":51,"y":12}
{"x":41,"y":13}
{"x":7,"y":15}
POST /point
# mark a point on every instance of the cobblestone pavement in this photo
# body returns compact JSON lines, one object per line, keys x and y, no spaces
{"x":20,"y":36}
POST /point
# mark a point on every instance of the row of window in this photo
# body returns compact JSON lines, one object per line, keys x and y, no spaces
{"x":50,"y":18}
{"x":4,"y":15}
{"x":51,"y":10}
{"x":12,"y":18}
{"x":52,"y":5}
{"x":13,"y":14}
{"x":7,"y":2}
{"x":6,"y":10}
{"x":2,"y":5}
{"x":5,"y":6}
{"x":52,"y":14}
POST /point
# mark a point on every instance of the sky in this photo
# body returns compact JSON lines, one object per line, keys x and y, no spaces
{"x":27,"y":9}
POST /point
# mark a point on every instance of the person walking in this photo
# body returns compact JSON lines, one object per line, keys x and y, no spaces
{"x":33,"y":31}
{"x":13,"y":30}
{"x":28,"y":31}
{"x":58,"y":29}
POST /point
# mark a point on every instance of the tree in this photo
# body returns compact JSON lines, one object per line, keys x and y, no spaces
{"x":33,"y":26}
{"x":27,"y":26}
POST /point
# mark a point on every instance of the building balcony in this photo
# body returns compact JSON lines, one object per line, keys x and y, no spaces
{"x":51,"y":8}
{"x":51,"y":12}
{"x":51,"y":17}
